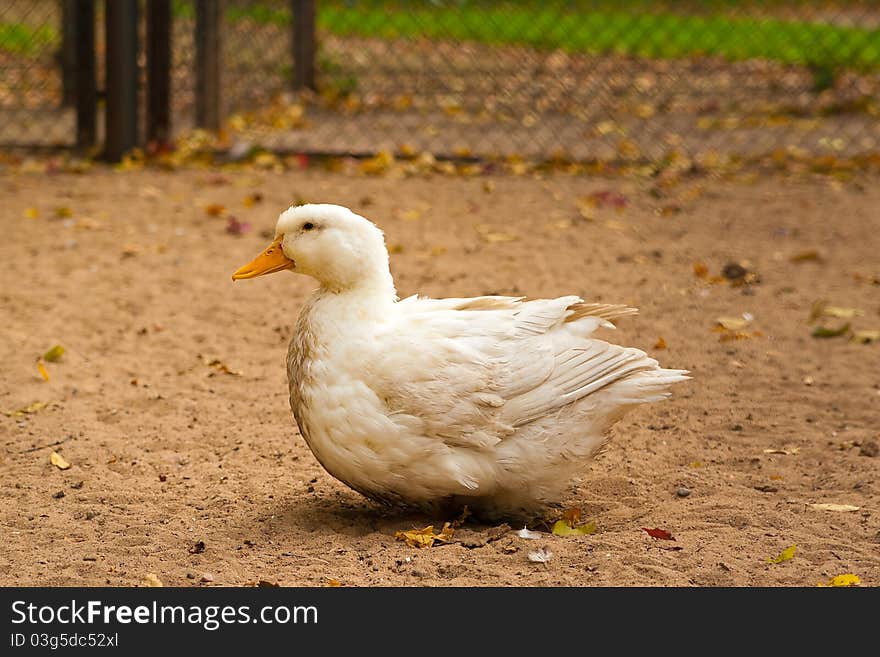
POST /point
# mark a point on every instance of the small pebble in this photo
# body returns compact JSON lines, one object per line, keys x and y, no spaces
{"x":90,"y":558}
{"x":736,"y":427}
{"x":681,"y":491}
{"x":190,"y":576}
{"x":207,"y":577}
{"x":76,"y":485}
{"x":58,"y":495}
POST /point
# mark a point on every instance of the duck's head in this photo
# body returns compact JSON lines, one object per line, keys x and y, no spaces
{"x":330,"y":243}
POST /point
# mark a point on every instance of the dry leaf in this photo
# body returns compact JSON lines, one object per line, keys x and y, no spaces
{"x":660,"y":344}
{"x":822,"y":332}
{"x":41,"y":368}
{"x":54,"y":354}
{"x":658,"y":533}
{"x":31,"y":213}
{"x":564,"y":528}
{"x":834,"y":507}
{"x":783,"y":450}
{"x":700,"y":270}
{"x":27,"y":410}
{"x":333,"y":583}
{"x":842,"y":313}
{"x":214,"y":209}
{"x":572,"y":515}
{"x":733,"y":323}
{"x":151,"y":580}
{"x":529,"y":535}
{"x":58,"y":461}
{"x":63,"y":212}
{"x":425,"y":537}
{"x":380,"y":163}
{"x":785,"y":555}
{"x":810,"y":255}
{"x":847,"y":579}
{"x":541,"y":555}
{"x":252,"y":199}
{"x":866,"y":337}
{"x":220,"y":366}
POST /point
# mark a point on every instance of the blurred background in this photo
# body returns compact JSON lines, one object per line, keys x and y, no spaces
{"x":585,"y":80}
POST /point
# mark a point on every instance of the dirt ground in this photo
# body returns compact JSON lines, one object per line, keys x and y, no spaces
{"x":200,"y":477}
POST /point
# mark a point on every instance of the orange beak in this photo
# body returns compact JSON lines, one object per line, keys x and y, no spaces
{"x":268,"y":262}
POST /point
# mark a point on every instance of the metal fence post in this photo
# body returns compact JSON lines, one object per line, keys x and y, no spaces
{"x":85,"y":84}
{"x":304,"y":43}
{"x":158,"y":72}
{"x":121,"y":24}
{"x":208,"y":13}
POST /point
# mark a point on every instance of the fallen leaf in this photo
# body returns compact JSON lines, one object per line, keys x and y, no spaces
{"x":810,"y":255}
{"x":564,"y":528}
{"x":660,"y":344}
{"x":733,"y":323}
{"x":58,"y":461}
{"x":333,"y":583}
{"x":823,"y":332}
{"x":834,"y":507}
{"x":425,"y":537}
{"x":151,"y":580}
{"x":783,"y":450}
{"x":252,"y":199}
{"x":785,"y":555}
{"x":529,"y":535}
{"x":27,"y":410}
{"x":380,"y":163}
{"x":843,"y":580}
{"x":842,"y":313}
{"x":41,"y":368}
{"x":658,"y":533}
{"x":63,"y":212}
{"x":214,"y":209}
{"x":866,"y":337}
{"x":541,"y":555}
{"x":700,"y":270}
{"x":236,"y":227}
{"x":220,"y":366}
{"x":572,"y":515}
{"x":54,"y":354}
{"x":31,"y":213}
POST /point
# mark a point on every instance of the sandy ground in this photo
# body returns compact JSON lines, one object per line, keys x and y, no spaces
{"x":199,"y":476}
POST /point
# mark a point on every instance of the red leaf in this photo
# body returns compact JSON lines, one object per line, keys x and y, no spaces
{"x":236,"y":227}
{"x":659,"y":533}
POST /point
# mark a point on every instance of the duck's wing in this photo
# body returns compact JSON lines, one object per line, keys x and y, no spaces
{"x":470,"y":371}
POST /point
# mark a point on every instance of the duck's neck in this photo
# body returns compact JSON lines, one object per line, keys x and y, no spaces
{"x":375,"y":288}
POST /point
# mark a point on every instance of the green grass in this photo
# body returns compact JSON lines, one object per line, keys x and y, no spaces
{"x":22,"y":39}
{"x":591,"y":27}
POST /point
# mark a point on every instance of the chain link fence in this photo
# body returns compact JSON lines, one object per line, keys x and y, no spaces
{"x":581,"y":80}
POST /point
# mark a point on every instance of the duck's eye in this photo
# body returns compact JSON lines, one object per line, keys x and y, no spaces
{"x":308,"y":225}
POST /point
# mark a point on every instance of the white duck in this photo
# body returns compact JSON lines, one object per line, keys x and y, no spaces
{"x":494,"y":402}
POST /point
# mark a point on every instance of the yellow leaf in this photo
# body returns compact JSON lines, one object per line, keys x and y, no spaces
{"x":834,"y":507}
{"x":783,"y":450}
{"x":27,"y":410}
{"x":563,"y":528}
{"x":733,"y":323}
{"x":41,"y":368}
{"x":425,"y":537}
{"x":214,"y":209}
{"x":785,"y":555}
{"x":865,"y":337}
{"x":847,"y":579}
{"x":842,"y":313}
{"x":31,"y":213}
{"x":63,"y":212}
{"x":151,"y":580}
{"x":333,"y":583}
{"x":220,"y":366}
{"x":660,"y":344}
{"x":380,"y":163}
{"x":54,"y":354}
{"x":58,"y":461}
